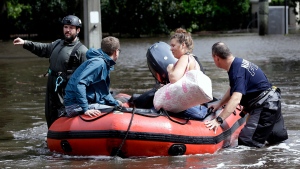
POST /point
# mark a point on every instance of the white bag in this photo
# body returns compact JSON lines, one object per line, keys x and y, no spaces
{"x":192,"y":89}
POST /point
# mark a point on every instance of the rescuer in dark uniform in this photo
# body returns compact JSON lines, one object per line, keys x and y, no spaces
{"x":249,"y":87}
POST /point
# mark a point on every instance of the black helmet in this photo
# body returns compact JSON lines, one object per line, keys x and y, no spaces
{"x":159,"y":56}
{"x":71,"y":20}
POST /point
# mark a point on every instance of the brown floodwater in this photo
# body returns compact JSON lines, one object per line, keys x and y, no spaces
{"x":22,"y":92}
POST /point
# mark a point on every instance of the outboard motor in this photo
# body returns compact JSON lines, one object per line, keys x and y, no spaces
{"x":159,"y":56}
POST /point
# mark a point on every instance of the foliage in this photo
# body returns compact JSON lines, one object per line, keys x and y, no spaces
{"x":14,"y":9}
{"x":135,"y":17}
{"x":276,"y":2}
{"x":131,"y":17}
{"x":39,"y":16}
{"x":229,"y":14}
{"x":280,"y":2}
{"x":162,"y":16}
{"x":293,"y":5}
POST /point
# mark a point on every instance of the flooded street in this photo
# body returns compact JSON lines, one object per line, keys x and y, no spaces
{"x":22,"y":91}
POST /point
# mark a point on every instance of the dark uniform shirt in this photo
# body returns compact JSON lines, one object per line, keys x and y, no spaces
{"x":247,"y":78}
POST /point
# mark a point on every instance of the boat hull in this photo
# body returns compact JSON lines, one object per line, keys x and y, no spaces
{"x":129,"y":134}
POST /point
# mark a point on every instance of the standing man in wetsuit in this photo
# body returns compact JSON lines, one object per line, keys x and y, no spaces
{"x":65,"y":55}
{"x":249,"y":87}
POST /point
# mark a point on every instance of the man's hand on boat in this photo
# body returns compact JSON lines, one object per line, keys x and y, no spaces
{"x":92,"y":112}
{"x":213,"y":124}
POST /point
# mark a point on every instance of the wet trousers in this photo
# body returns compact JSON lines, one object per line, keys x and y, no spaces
{"x":264,"y":123}
{"x":53,"y":100}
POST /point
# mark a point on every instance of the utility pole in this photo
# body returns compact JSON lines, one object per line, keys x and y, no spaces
{"x":263,"y":19}
{"x":285,"y":17}
{"x":92,"y":23}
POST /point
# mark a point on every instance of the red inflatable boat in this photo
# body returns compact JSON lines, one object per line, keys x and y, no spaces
{"x":141,"y":132}
{"x":137,"y":130}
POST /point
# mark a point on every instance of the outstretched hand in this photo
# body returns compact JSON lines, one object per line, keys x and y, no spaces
{"x":18,"y":41}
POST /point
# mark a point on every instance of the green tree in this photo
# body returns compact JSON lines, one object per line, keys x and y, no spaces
{"x":4,"y":20}
{"x":162,"y":16}
{"x":134,"y":17}
{"x":126,"y":17}
{"x":38,"y":16}
{"x":293,"y":4}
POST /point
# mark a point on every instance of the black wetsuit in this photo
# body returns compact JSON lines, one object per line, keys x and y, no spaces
{"x":58,"y":53}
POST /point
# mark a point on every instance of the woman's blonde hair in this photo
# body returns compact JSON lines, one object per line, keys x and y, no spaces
{"x":185,"y":37}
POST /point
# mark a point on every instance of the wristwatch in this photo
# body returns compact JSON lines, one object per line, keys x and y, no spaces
{"x":219,"y":119}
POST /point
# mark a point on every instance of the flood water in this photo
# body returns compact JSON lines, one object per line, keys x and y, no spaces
{"x":22,"y":91}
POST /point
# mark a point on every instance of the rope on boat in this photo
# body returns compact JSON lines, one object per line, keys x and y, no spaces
{"x":169,"y":117}
{"x":124,"y":109}
{"x":123,"y":141}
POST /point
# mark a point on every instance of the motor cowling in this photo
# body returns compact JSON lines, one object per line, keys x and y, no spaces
{"x":159,"y":56}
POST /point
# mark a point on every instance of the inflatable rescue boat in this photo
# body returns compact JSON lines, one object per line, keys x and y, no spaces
{"x":138,"y":130}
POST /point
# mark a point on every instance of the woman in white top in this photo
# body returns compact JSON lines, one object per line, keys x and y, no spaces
{"x":181,"y":43}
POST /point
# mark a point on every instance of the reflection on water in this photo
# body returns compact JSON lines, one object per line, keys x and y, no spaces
{"x":22,"y":91}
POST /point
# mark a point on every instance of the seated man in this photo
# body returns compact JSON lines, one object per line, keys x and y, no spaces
{"x":90,"y":82}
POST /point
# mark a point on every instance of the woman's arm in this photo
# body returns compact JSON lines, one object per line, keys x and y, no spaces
{"x":175,"y":72}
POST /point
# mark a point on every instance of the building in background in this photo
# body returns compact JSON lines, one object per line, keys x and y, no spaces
{"x":277,"y":18}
